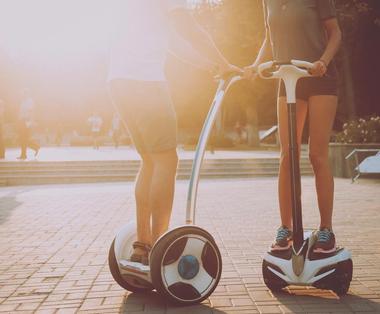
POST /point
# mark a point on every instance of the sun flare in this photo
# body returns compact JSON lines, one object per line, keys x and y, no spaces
{"x":54,"y":32}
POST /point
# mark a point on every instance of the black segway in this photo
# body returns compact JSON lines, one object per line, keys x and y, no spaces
{"x":185,"y":263}
{"x":300,"y":265}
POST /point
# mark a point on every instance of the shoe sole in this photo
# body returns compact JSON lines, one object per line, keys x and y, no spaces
{"x":325,"y":251}
{"x":281,"y":248}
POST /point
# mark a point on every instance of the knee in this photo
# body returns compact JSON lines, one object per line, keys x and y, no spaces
{"x":318,"y":160}
{"x":173,"y":160}
{"x":284,"y":159}
{"x":147,"y":163}
{"x":168,"y":160}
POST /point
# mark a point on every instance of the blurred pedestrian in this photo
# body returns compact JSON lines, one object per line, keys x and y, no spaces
{"x":26,"y":121}
{"x":116,"y":130}
{"x":59,"y":134}
{"x":96,"y":123}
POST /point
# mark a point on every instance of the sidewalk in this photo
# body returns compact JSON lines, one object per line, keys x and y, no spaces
{"x":124,"y":153}
{"x":54,"y":243}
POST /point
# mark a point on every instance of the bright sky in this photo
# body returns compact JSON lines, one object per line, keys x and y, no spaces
{"x":35,"y":30}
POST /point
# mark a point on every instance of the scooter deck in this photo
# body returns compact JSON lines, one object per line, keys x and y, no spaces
{"x":134,"y":267}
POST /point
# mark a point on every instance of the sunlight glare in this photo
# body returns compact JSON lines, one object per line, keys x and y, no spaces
{"x":45,"y":31}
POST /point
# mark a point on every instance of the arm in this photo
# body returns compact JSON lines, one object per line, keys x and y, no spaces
{"x":191,"y":31}
{"x":334,"y":36}
{"x":183,"y":50}
{"x":265,"y":53}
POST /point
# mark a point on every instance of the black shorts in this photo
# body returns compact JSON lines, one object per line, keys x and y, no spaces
{"x":312,"y":86}
{"x":147,"y":110}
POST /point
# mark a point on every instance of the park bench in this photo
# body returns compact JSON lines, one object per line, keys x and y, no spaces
{"x":369,"y":165}
{"x":266,"y":134}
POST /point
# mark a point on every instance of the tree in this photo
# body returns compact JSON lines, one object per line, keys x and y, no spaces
{"x":237,"y":26}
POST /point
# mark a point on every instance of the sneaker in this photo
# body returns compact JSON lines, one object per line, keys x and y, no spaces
{"x":325,"y":241}
{"x":283,"y":239}
{"x":141,"y":253}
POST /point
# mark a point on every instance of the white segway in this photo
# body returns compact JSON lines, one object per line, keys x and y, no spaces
{"x":300,"y":265}
{"x":185,"y":263}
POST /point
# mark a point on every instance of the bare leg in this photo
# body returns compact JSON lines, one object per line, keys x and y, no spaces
{"x":162,"y":191}
{"x":284,"y":172}
{"x":143,"y":210}
{"x":322,"y":110}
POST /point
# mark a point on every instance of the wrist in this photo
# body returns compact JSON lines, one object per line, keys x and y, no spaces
{"x":325,"y":63}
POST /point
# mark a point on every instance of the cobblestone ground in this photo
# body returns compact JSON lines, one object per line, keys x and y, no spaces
{"x":54,"y":243}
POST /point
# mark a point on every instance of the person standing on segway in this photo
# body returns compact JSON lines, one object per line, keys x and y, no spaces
{"x":305,"y":30}
{"x":139,"y":90}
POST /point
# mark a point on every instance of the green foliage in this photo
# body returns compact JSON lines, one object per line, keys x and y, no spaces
{"x":237,"y":26}
{"x":349,"y":13}
{"x":360,"y":131}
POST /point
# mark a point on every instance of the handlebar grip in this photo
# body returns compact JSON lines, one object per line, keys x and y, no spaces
{"x":264,"y":69}
{"x":302,"y":64}
{"x":228,"y":75}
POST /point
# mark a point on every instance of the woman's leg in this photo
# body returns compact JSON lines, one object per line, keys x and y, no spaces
{"x":284,"y":172}
{"x":143,"y":210}
{"x":322,"y":111}
{"x":162,"y":191}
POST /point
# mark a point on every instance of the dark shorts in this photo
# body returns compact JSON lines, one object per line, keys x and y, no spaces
{"x":147,"y":110}
{"x":312,"y":86}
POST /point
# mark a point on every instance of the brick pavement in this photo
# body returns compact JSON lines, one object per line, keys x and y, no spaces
{"x":54,"y":243}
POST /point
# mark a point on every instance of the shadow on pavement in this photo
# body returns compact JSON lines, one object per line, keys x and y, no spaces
{"x":308,"y":300}
{"x":153,"y":302}
{"x":7,"y":204}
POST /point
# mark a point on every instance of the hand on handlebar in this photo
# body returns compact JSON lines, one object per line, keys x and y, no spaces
{"x":319,"y":68}
{"x":227,"y":70}
{"x":250,"y":72}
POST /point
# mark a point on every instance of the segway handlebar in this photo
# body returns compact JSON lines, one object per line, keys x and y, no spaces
{"x":289,"y":72}
{"x":228,"y":76}
{"x":272,"y":69}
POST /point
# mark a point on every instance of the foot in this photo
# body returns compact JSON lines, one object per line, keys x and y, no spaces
{"x":325,"y":241}
{"x":21,"y":158}
{"x":283,"y":239}
{"x":140,"y":253}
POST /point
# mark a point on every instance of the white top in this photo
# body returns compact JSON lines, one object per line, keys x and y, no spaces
{"x":141,"y":39}
{"x":95,"y":122}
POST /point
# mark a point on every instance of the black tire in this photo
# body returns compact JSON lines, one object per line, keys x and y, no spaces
{"x":182,"y":293}
{"x":115,"y":272}
{"x":343,"y":278}
{"x":273,"y":282}
{"x":338,"y":281}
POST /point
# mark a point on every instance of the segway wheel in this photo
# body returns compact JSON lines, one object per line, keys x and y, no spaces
{"x":129,"y":283}
{"x":186,"y":265}
{"x":343,"y":278}
{"x":273,"y":282}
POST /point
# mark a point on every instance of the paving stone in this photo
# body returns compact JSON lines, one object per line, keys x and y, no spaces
{"x":54,"y":246}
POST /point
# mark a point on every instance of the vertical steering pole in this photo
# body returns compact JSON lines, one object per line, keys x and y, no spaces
{"x":224,"y":85}
{"x":295,"y":179}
